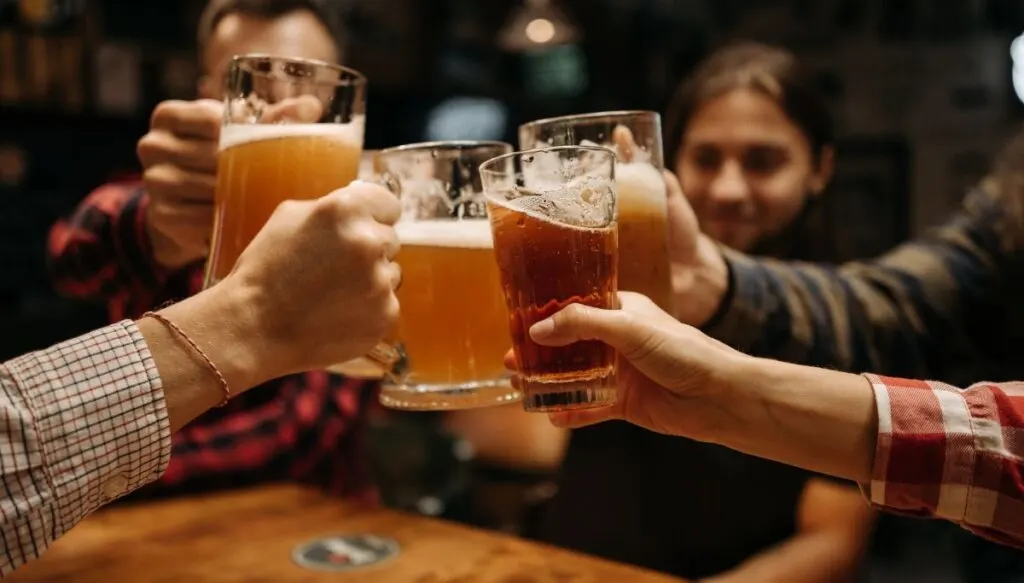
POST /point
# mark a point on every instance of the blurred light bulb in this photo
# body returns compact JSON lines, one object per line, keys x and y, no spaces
{"x":540,"y":30}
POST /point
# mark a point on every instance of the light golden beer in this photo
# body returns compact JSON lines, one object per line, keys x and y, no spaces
{"x":262,"y":165}
{"x":453,"y":324}
{"x":643,"y":232}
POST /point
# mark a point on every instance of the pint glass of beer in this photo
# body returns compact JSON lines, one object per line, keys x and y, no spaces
{"x":552,"y":215}
{"x":642,"y":202}
{"x":293,"y":129}
{"x":453,"y":330}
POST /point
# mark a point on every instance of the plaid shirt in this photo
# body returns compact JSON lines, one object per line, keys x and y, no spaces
{"x":952,"y":453}
{"x":303,"y":428}
{"x":83,"y":423}
{"x":947,"y":305}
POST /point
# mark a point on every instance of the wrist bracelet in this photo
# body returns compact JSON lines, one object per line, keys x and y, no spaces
{"x":225,"y":390}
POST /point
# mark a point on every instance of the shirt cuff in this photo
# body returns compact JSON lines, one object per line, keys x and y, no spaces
{"x":924,"y":455}
{"x":99,"y":415}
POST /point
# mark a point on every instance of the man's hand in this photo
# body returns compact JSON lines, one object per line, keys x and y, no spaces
{"x":179,"y":158}
{"x":675,"y":380}
{"x":317,"y":282}
{"x":666,"y":373}
{"x":700,"y":276}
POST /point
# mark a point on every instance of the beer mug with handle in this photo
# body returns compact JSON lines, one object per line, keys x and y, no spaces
{"x":292,"y":129}
{"x":643,"y":202}
{"x":453,"y":330}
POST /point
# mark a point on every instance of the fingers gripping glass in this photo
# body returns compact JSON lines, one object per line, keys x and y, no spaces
{"x":552,"y":215}
{"x":452,"y":333}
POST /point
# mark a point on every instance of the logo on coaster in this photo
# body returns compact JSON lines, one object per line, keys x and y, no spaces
{"x":345,"y":552}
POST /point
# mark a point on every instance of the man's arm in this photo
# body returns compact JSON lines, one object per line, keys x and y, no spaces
{"x":90,"y":420}
{"x":904,"y":314}
{"x":920,"y":448}
{"x":833,"y":527}
{"x":103,"y":250}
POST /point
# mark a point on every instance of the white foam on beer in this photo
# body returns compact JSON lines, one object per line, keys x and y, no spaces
{"x":640,"y":185}
{"x":237,"y":134}
{"x":464,"y":234}
{"x":587,"y":203}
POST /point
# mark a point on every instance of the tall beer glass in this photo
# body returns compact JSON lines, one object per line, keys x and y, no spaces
{"x":453,"y":330}
{"x":292,"y":129}
{"x":642,"y":202}
{"x":552,"y":214}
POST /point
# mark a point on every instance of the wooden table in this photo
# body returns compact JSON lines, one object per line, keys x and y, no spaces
{"x":248,"y":536}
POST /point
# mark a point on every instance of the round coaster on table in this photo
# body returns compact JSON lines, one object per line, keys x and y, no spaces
{"x":345,"y":552}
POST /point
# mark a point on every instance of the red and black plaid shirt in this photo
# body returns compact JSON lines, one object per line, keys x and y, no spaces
{"x":302,"y":428}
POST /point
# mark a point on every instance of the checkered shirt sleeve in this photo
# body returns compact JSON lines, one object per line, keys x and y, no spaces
{"x":951,"y":453}
{"x":81,"y":424}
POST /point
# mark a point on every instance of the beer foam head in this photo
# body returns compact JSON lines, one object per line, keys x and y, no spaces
{"x":640,"y":184}
{"x":585,"y":203}
{"x":465,"y":234}
{"x":237,"y":134}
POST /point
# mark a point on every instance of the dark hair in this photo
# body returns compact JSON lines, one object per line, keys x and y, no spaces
{"x":775,"y":73}
{"x":216,"y":10}
{"x":772,"y":71}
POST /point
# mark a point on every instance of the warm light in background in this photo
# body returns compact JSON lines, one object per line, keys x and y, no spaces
{"x":540,"y":30}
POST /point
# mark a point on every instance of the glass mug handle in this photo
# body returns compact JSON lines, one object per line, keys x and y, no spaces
{"x":385,"y":360}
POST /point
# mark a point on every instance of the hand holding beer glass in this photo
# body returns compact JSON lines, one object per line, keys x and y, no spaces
{"x":292,"y":129}
{"x":642,"y":198}
{"x":453,"y":330}
{"x":552,"y":215}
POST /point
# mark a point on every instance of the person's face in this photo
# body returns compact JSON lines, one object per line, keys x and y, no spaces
{"x":295,"y":34}
{"x":747,"y":169}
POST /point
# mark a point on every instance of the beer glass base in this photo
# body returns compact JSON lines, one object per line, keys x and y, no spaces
{"x":551,"y":396}
{"x":429,"y":397}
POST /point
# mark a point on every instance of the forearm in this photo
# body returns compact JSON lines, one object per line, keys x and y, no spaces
{"x":826,"y":556}
{"x":903,"y":314}
{"x":821,"y":420}
{"x":226,"y":333}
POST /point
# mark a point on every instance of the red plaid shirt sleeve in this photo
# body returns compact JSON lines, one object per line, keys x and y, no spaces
{"x":82,"y":423}
{"x":951,"y":453}
{"x":102,"y":251}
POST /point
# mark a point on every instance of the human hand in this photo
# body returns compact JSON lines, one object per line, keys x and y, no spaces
{"x":318,"y":280}
{"x":179,"y":158}
{"x":667,"y":370}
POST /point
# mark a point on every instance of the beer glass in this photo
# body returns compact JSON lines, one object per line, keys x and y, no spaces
{"x":453,"y":331}
{"x":642,"y":201}
{"x":552,"y":215}
{"x":292,"y":129}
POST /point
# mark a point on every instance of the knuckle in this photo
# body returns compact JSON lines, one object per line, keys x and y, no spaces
{"x":165,"y":110}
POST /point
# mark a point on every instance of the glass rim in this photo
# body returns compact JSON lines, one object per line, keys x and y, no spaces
{"x":595,"y":115}
{"x":445,"y":144}
{"x":356,"y":77}
{"x":484,"y":167}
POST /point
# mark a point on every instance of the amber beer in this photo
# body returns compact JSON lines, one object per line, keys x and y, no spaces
{"x":453,"y":325}
{"x":453,"y":329}
{"x":550,"y":257}
{"x":643,"y":232}
{"x":642,"y":200}
{"x":262,"y":165}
